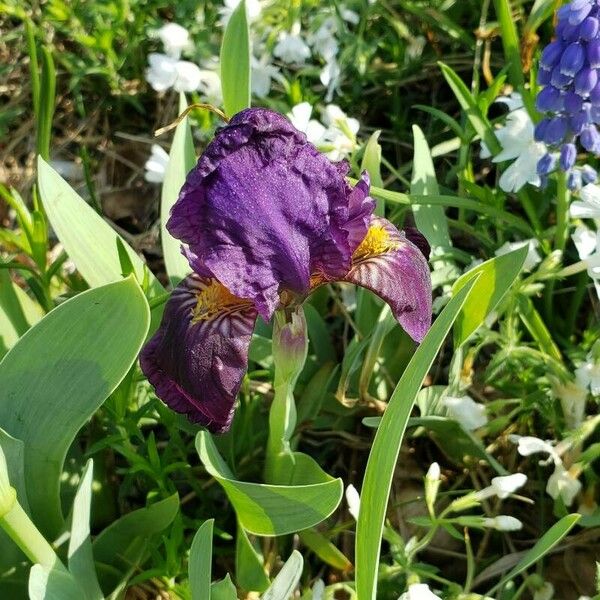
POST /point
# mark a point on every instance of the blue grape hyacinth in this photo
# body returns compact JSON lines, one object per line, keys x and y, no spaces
{"x":570,"y":99}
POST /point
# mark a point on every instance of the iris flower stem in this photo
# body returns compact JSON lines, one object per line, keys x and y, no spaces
{"x":25,"y":534}
{"x":290,"y":348}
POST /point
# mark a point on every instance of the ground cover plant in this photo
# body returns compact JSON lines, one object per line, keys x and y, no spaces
{"x":374,"y":369}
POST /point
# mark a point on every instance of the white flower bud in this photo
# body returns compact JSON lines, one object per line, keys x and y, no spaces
{"x":419,"y":591}
{"x":503,"y":523}
{"x":353,"y":500}
{"x":470,"y":414}
{"x":434,"y":472}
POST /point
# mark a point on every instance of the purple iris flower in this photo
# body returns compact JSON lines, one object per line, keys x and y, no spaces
{"x":569,"y":70}
{"x":266,"y":219}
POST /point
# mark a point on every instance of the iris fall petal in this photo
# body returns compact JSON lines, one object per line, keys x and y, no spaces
{"x":390,"y":265}
{"x":197,"y":358}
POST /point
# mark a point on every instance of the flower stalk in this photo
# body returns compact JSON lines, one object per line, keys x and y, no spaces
{"x":290,"y":349}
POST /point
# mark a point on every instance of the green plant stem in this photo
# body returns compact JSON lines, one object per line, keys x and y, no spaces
{"x":562,"y":212}
{"x":25,"y":534}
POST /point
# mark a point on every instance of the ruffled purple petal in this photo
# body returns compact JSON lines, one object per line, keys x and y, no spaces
{"x":395,"y":269}
{"x":197,"y":358}
{"x":263,"y":210}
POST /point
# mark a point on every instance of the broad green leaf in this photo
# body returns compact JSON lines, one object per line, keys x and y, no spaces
{"x":123,"y":546}
{"x":88,"y":239}
{"x":200,"y":562}
{"x":478,"y":120}
{"x":386,"y":447}
{"x":53,"y":584}
{"x":287,"y":579}
{"x":223,"y":590}
{"x":58,"y":375}
{"x":182,"y":159}
{"x":269,"y":510}
{"x":554,"y":535}
{"x":18,"y":312}
{"x":494,"y":279}
{"x":249,"y":572}
{"x":81,"y":558}
{"x":235,"y":62}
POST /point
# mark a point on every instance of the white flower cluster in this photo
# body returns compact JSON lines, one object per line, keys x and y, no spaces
{"x":335,"y":135}
{"x":563,"y":483}
{"x":586,"y":240}
{"x":168,"y":71}
{"x":293,"y":49}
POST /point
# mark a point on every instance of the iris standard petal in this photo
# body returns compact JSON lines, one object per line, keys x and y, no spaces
{"x":197,"y":358}
{"x":263,"y":210}
{"x":390,"y":265}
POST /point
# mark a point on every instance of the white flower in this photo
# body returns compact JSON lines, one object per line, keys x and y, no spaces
{"x":434,"y":472}
{"x":262,"y":74}
{"x":503,"y":523}
{"x":210,"y":87}
{"x":340,"y":138}
{"x":533,"y":257}
{"x":175,"y":39}
{"x":291,"y":48}
{"x":252,"y":10}
{"x":323,"y":41}
{"x":517,"y":140}
{"x":330,"y":77}
{"x":572,"y":396}
{"x":528,"y":445}
{"x":508,"y":484}
{"x":353,"y":500}
{"x":156,"y":165}
{"x":300,"y":118}
{"x":350,"y":16}
{"x":563,"y":484}
{"x":545,"y":592}
{"x":588,"y":207}
{"x":586,"y":241}
{"x":419,"y":591}
{"x":166,"y":72}
{"x":588,"y":375}
{"x":470,"y":414}
{"x":189,"y":76}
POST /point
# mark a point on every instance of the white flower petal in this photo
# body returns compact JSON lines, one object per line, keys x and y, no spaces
{"x":175,"y":39}
{"x":563,"y":485}
{"x":470,"y":414}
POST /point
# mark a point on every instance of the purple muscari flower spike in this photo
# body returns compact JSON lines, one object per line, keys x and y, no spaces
{"x":570,"y":65}
{"x":574,"y":180}
{"x":266,"y":219}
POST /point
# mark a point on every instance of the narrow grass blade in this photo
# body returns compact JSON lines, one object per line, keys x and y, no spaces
{"x":469,"y":105}
{"x":386,"y":447}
